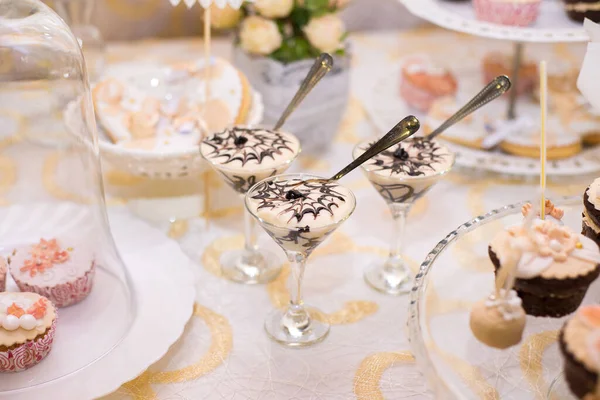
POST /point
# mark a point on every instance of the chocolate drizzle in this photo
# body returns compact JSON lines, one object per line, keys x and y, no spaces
{"x":299,"y":201}
{"x":244,"y":145}
{"x":414,"y":157}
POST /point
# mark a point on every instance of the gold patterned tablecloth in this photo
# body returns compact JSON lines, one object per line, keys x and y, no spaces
{"x":224,"y":353}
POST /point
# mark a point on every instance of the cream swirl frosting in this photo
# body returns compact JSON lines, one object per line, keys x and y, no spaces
{"x":249,"y":149}
{"x":295,"y":203}
{"x":415,"y":157}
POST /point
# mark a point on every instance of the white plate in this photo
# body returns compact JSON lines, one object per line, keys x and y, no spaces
{"x":384,"y":104}
{"x":161,"y":164}
{"x":552,"y":26}
{"x":164,"y":294}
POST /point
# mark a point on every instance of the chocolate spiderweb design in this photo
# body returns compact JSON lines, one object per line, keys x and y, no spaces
{"x":423,"y":153}
{"x":244,"y":145}
{"x":310,"y":198}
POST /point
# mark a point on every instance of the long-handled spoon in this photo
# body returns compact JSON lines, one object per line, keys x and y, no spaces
{"x":320,"y":68}
{"x":491,"y":91}
{"x":403,"y":130}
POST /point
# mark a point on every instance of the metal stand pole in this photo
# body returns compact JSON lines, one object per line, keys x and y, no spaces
{"x":517,"y":60}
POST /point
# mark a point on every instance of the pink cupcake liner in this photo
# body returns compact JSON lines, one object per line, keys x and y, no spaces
{"x":507,"y":12}
{"x":28,"y":354}
{"x":65,"y":294}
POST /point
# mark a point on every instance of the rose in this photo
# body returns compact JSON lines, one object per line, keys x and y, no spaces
{"x":224,"y":18}
{"x":326,"y":32}
{"x":274,"y":8}
{"x":259,"y":35}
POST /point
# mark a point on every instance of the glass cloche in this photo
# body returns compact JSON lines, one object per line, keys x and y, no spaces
{"x":55,"y":241}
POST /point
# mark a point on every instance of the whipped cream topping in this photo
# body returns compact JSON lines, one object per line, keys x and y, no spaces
{"x":295,"y":203}
{"x":593,"y":193}
{"x":414,"y":157}
{"x":249,"y":149}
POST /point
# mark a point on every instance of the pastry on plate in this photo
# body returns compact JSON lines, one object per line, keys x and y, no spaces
{"x":561,"y":141}
{"x":578,"y":10}
{"x":469,"y":132}
{"x":496,"y":63}
{"x":579,"y":343}
{"x":507,"y":12}
{"x":54,"y":269}
{"x":422,"y":83}
{"x":556,"y":268}
{"x":171,"y":113}
{"x":27,"y":325}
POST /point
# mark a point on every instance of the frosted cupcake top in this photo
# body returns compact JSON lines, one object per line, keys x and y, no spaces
{"x":548,"y":250}
{"x":245,"y":148}
{"x":23,"y":316}
{"x":50,"y":263}
{"x":414,"y":157}
{"x":301,"y":204}
{"x":582,"y":336}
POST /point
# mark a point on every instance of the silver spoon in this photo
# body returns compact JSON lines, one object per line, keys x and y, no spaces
{"x":491,"y":91}
{"x":320,"y":68}
{"x":403,"y":130}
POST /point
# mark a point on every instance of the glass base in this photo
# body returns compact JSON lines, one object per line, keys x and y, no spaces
{"x":285,"y":328}
{"x":394,"y":281}
{"x":248,"y":268}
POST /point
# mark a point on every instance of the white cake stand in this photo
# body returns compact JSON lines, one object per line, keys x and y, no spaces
{"x":552,"y":26}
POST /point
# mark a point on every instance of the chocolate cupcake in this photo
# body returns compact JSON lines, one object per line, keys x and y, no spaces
{"x":556,"y":268}
{"x":591,"y":213}
{"x":578,"y":10}
{"x":580,"y":346}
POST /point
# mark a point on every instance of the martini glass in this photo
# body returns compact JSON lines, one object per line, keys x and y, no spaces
{"x":264,"y":153}
{"x":299,"y":215}
{"x":391,"y":175}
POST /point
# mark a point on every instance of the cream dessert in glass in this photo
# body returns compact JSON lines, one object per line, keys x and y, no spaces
{"x":402,"y":174}
{"x":242,"y":157}
{"x":299,"y":211}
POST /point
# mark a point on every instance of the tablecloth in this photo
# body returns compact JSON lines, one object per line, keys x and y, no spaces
{"x":224,"y":352}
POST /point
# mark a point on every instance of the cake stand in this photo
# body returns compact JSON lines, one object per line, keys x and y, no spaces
{"x":458,"y":273}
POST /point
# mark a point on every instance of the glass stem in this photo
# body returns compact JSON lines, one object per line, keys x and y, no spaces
{"x":399,"y":214}
{"x":296,"y":320}
{"x":249,"y":232}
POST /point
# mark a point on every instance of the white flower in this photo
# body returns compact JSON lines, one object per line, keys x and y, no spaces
{"x":207,"y":3}
{"x":326,"y":32}
{"x":225,"y":18}
{"x":259,"y":36}
{"x":274,"y":8}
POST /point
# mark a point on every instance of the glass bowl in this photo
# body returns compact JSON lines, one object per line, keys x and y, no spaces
{"x":457,"y":273}
{"x":52,"y":189}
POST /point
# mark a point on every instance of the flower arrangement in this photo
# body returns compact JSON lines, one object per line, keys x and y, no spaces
{"x":288,"y":30}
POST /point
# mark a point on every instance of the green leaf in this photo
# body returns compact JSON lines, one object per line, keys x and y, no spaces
{"x":294,"y":49}
{"x":299,"y":18}
{"x":316,"y":5}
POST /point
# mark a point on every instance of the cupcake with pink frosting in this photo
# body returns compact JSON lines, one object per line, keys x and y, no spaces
{"x":507,"y":12}
{"x":422,"y":83}
{"x":62,"y":273}
{"x":27,"y":325}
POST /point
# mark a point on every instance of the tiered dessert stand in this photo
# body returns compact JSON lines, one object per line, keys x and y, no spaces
{"x":552,"y":26}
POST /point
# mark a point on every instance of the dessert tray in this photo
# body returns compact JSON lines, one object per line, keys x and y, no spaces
{"x":552,"y":25}
{"x":383,"y":104}
{"x":170,"y":163}
{"x":458,"y":273}
{"x":84,"y":361}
